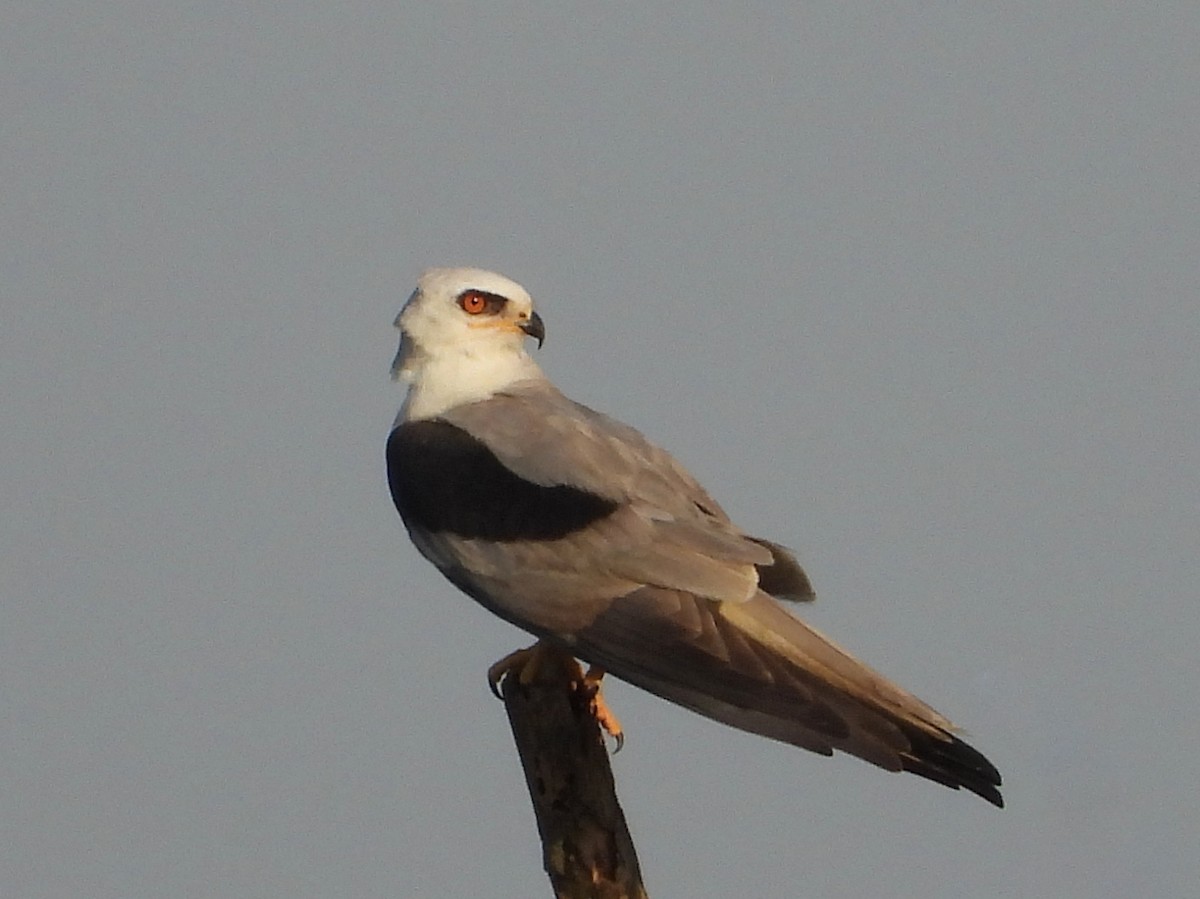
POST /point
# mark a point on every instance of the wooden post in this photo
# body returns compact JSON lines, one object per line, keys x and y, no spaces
{"x":586,"y":846}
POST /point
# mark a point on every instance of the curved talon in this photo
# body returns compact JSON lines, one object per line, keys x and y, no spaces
{"x":599,"y":709}
{"x":525,"y":664}
{"x":522,"y":662}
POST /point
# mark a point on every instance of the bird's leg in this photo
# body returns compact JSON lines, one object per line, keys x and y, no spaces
{"x":523,"y":663}
{"x":589,"y":686}
{"x":539,"y":660}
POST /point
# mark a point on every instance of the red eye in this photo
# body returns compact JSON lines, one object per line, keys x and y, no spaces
{"x":473,"y":302}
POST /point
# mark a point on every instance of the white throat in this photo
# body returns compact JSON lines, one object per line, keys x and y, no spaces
{"x":439,"y":383}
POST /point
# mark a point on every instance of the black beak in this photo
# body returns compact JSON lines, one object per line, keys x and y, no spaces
{"x":534,"y":327}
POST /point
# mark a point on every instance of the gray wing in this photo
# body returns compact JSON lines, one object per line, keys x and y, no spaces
{"x":755,"y":667}
{"x":665,"y":592}
{"x":666,"y":529}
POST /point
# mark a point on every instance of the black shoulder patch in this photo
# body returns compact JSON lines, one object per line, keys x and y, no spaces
{"x":443,"y":480}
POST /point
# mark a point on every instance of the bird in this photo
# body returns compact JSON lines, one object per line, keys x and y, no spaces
{"x":577,"y":529}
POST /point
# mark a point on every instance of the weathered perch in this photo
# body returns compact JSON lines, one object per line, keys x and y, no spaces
{"x":586,"y":846}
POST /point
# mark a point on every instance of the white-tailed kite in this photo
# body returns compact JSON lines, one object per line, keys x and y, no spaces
{"x":575,"y":528}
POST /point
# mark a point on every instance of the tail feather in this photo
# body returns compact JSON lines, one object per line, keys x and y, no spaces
{"x":754,"y":667}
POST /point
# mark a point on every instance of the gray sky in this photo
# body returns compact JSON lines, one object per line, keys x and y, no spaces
{"x":912,"y":288}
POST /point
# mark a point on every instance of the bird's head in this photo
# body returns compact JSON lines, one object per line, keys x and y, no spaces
{"x":463,"y":331}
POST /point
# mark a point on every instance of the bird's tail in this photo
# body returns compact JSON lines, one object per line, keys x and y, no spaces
{"x":755,"y":667}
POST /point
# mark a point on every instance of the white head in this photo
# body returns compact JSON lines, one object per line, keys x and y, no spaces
{"x":462,"y":339}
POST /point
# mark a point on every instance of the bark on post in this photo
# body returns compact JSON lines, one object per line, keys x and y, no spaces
{"x":586,"y":847}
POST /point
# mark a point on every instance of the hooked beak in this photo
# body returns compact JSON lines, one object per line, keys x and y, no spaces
{"x":534,"y":327}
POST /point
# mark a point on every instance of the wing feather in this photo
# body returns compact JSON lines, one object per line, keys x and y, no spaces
{"x":755,"y":667}
{"x":668,"y":532}
{"x":548,"y":439}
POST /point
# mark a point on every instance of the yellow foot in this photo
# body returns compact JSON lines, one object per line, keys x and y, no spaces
{"x":540,"y":660}
{"x":523,"y":664}
{"x":589,"y":686}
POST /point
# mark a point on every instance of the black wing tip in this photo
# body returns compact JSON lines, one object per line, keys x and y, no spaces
{"x":957,"y":765}
{"x":989,"y":792}
{"x":993,"y":796}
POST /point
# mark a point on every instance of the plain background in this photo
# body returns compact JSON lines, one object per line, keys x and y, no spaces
{"x":912,"y":287}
